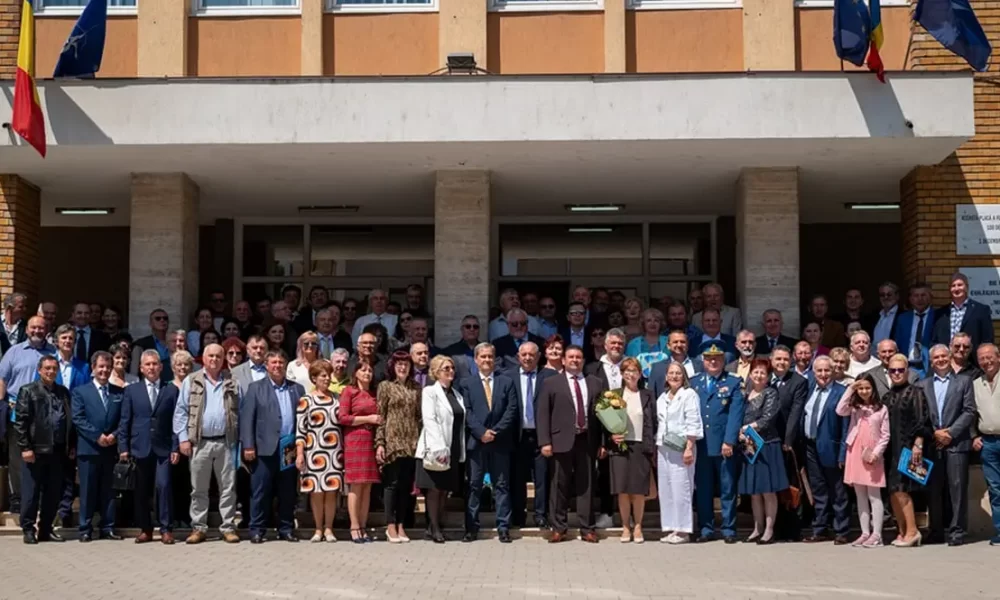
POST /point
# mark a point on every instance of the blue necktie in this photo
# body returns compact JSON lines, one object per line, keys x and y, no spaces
{"x":104,"y":396}
{"x":529,"y":400}
{"x":710,"y":385}
{"x":817,"y":409}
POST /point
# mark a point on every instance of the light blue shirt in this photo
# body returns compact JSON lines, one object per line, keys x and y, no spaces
{"x":579,"y":337}
{"x":65,"y":370}
{"x":941,"y":392}
{"x":285,"y":405}
{"x":883,"y":328}
{"x":817,"y":402}
{"x":213,"y":416}
{"x":257,"y":372}
{"x":20,"y":365}
{"x":547,"y":329}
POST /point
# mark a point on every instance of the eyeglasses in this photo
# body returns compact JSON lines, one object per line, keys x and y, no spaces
{"x":886,"y":295}
{"x":577,"y":312}
{"x":961,"y":346}
{"x":234,"y":353}
{"x":896,"y":371}
{"x":310,"y":345}
{"x":447,"y":369}
{"x":160,"y":318}
{"x":517,"y":323}
{"x":597,"y":334}
{"x":470,"y":326}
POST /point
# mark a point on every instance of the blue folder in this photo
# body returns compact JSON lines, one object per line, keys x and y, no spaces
{"x":905,"y":467}
{"x":758,"y":443}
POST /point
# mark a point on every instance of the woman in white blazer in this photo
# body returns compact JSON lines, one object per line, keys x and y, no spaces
{"x":679,"y":426}
{"x":441,"y":442}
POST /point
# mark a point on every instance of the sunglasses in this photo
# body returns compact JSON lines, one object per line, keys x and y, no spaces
{"x":310,"y":345}
{"x":448,"y":369}
{"x":470,"y":326}
{"x":896,"y":371}
{"x":160,"y":318}
{"x":517,"y":323}
{"x":234,"y":353}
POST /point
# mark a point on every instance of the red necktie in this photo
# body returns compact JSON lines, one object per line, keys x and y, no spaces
{"x":581,"y":418}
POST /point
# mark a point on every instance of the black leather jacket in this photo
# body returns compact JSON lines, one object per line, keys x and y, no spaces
{"x":762,"y":410}
{"x":33,"y":423}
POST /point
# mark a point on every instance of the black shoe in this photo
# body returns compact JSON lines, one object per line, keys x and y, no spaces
{"x":29,"y":538}
{"x":731,"y":539}
{"x":428,"y":535}
{"x":933,"y":540}
{"x":50,"y":537}
{"x":256,"y":539}
{"x":469,"y":537}
{"x":702,"y":539}
{"x":111,"y":535}
{"x":955,"y":542}
{"x":437,"y":537}
{"x":86,"y":538}
{"x":67,"y":523}
{"x":763,"y":542}
{"x":504,"y":537}
{"x":541,"y":523}
{"x":287,"y":537}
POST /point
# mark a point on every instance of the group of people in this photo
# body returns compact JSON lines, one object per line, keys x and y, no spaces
{"x":370,"y":402}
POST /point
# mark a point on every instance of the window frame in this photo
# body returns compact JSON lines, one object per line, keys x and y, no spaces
{"x":682,"y":4}
{"x":199,"y":10}
{"x":544,"y":5}
{"x":40,"y":10}
{"x":333,"y":7}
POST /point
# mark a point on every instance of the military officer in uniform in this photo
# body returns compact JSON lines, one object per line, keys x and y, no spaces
{"x":718,"y":462}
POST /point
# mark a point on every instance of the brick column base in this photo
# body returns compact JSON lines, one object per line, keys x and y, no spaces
{"x":20,"y":214}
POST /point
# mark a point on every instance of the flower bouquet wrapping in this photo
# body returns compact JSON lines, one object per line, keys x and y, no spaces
{"x":611,"y":413}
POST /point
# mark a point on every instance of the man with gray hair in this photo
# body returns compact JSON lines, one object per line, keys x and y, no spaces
{"x":14,"y":322}
{"x":952,"y":404}
{"x":861,"y":355}
{"x":498,"y":327}
{"x":732,"y":320}
{"x":378,"y":302}
{"x":517,"y":322}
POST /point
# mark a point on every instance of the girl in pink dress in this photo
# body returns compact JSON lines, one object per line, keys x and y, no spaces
{"x":867,"y":439}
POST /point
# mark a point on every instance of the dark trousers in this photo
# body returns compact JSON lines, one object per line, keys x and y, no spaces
{"x":397,"y":488}
{"x":710,"y":471}
{"x":787,"y":523}
{"x":828,"y":491}
{"x":41,"y":486}
{"x":947,"y":503}
{"x":243,"y":497}
{"x":69,"y":490}
{"x":573,"y":475}
{"x":96,"y":495}
{"x":181,"y":474}
{"x":608,"y":502}
{"x":266,"y":481}
{"x":153,"y":473}
{"x":481,"y":461}
{"x":14,"y":469}
{"x":528,"y":465}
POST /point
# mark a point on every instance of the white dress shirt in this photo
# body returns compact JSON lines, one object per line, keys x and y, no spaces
{"x":613,"y":372}
{"x":385,"y":319}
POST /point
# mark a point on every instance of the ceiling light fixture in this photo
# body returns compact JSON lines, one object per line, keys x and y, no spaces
{"x":872,"y":206}
{"x":329,"y":209}
{"x":595,"y":208}
{"x":591,"y":229}
{"x":84,"y":211}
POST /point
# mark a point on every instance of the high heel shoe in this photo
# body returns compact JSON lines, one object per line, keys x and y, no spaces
{"x":438,"y":537}
{"x":391,"y":538}
{"x":365,"y":536}
{"x":329,"y":537}
{"x":762,"y":542}
{"x":914,"y":542}
{"x":356,"y":536}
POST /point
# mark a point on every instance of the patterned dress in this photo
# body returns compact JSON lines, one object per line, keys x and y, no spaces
{"x":318,"y":429}
{"x":359,"y":440}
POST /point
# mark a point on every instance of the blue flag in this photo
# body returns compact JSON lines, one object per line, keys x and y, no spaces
{"x":852,"y":26}
{"x":954,"y":24}
{"x":82,"y":53}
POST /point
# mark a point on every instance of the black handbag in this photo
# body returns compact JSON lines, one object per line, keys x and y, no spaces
{"x":123,"y":476}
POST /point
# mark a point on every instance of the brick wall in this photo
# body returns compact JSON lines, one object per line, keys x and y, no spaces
{"x":10,"y":24}
{"x":19,"y":230}
{"x":971,"y":174}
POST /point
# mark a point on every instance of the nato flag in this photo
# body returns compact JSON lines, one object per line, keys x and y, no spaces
{"x":82,"y":53}
{"x":852,"y":26}
{"x":953,"y":23}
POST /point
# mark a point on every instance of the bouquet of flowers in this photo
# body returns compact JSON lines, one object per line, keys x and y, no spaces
{"x":610,"y":411}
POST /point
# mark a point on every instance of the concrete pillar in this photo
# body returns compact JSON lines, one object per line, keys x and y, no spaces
{"x":767,"y":245}
{"x":162,"y":40}
{"x":768,"y":35}
{"x":614,"y":36}
{"x":19,"y":223}
{"x":312,"y":38}
{"x":461,"y":28}
{"x":163,"y":249}
{"x":461,"y":249}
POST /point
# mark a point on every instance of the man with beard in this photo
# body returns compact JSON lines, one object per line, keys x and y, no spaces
{"x":746,"y":345}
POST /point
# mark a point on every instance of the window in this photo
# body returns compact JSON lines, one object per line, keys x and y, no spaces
{"x":372,"y":251}
{"x":75,"y":6}
{"x":570,"y":251}
{"x":682,"y":4}
{"x":545,"y":5}
{"x":228,"y":7}
{"x":382,"y":5}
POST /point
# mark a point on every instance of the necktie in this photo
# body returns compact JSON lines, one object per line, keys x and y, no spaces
{"x":581,"y":418}
{"x":817,"y":409}
{"x":771,"y":342}
{"x":518,"y":343}
{"x":324,"y":347}
{"x":529,"y":398}
{"x":422,"y":379}
{"x":81,"y":345}
{"x":104,"y":396}
{"x":710,"y":385}
{"x":489,"y":392}
{"x":152,"y":395}
{"x":918,"y":336}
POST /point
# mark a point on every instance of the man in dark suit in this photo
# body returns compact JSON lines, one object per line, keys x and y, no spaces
{"x":14,"y":323}
{"x":915,"y":327}
{"x":677,"y":342}
{"x":528,"y":464}
{"x":463,"y":351}
{"x":491,"y":413}
{"x":88,"y":340}
{"x":792,"y":390}
{"x":773,"y":325}
{"x":96,"y":416}
{"x":576,"y":331}
{"x":508,"y":345}
{"x":824,"y":434}
{"x":963,"y":314}
{"x":145,"y":435}
{"x":73,"y":372}
{"x":306,"y":319}
{"x":570,"y":433}
{"x":881,"y":325}
{"x":952,"y":405}
{"x":267,"y":431}
{"x":366,"y":352}
{"x":608,"y":371}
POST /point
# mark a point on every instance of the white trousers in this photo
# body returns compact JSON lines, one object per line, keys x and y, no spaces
{"x":675,"y":488}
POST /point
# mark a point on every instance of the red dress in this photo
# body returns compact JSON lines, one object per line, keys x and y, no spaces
{"x":359,"y":440}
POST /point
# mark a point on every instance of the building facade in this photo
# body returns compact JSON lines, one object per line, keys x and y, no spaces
{"x":643,"y":145}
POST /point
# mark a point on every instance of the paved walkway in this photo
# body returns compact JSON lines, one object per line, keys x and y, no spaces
{"x":483,"y":570}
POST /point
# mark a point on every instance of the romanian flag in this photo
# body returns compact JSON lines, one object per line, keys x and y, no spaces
{"x":28,"y":120}
{"x":877,"y":37}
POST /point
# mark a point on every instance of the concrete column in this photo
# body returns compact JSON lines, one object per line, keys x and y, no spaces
{"x":461,"y":249}
{"x":767,"y":245}
{"x":162,"y":40}
{"x":614,"y":36}
{"x":461,"y":28}
{"x":768,"y":35}
{"x":163,"y":248}
{"x":19,"y":223}
{"x":312,"y":38}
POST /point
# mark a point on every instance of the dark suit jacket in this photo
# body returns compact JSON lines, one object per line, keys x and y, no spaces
{"x":506,"y":349}
{"x":79,"y":376}
{"x":541,"y":375}
{"x":792,"y":391}
{"x":959,"y":410}
{"x":904,"y":326}
{"x":556,"y":408}
{"x":831,"y":432}
{"x":98,"y":341}
{"x":304,"y":321}
{"x":978,"y":323}
{"x":260,"y":416}
{"x":596,"y":369}
{"x":459,"y":348}
{"x":146,"y":429}
{"x":657,"y":382}
{"x":588,"y":349}
{"x":502,"y":418}
{"x":5,"y":343}
{"x":91,"y":420}
{"x":763,"y":348}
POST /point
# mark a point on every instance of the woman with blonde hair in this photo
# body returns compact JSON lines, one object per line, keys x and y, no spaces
{"x":306,"y":353}
{"x":633,"y":317}
{"x":678,"y":411}
{"x":319,"y":450}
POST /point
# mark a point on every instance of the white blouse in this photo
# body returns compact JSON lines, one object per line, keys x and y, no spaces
{"x":633,"y":409}
{"x":680,"y":415}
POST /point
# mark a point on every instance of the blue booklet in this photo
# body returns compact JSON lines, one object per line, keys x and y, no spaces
{"x":919,"y":473}
{"x":753,"y":444}
{"x":286,"y":451}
